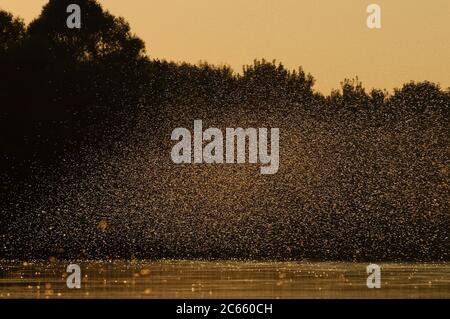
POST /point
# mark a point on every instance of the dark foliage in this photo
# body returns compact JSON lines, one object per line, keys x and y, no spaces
{"x":366,"y":175}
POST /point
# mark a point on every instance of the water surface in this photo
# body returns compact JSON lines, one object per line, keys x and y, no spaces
{"x":222,"y":279}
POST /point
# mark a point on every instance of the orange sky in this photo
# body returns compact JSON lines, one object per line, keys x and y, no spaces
{"x":328,"y":38}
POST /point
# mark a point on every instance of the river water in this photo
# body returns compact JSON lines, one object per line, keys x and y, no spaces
{"x":222,"y":279}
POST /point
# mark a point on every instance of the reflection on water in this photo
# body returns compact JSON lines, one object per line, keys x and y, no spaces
{"x":222,"y":279}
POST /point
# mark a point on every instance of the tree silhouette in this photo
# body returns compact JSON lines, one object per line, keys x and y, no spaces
{"x":12,"y":31}
{"x":73,"y":78}
{"x":62,"y":91}
{"x":99,"y":62}
{"x":353,"y":96}
{"x":268,"y":82}
{"x":420,"y":97}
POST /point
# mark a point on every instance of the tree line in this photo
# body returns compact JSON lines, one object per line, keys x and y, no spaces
{"x":58,"y":82}
{"x":64,"y":90}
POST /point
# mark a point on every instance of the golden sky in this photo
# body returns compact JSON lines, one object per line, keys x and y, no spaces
{"x":328,"y":38}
